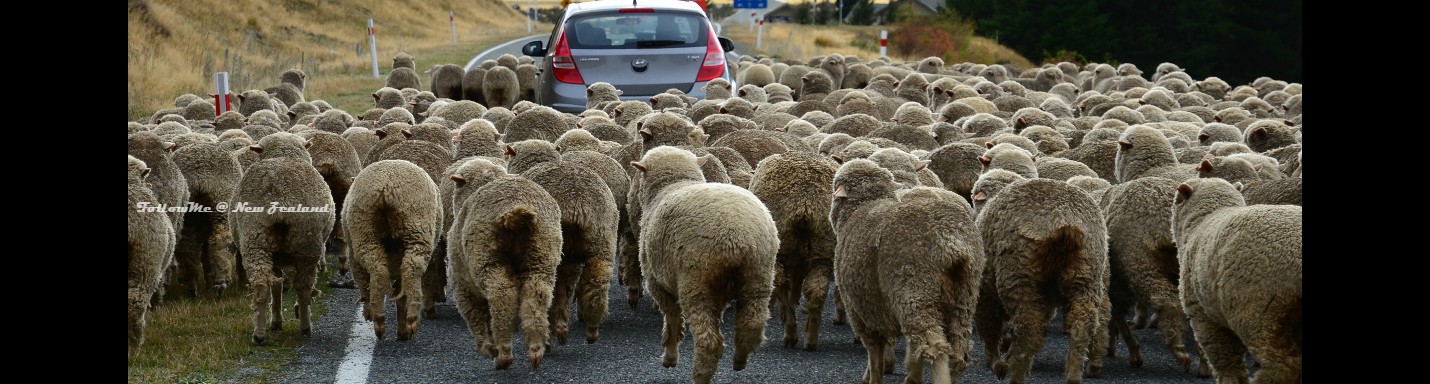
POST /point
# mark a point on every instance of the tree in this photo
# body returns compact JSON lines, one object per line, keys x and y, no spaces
{"x":862,"y":14}
{"x":803,"y":12}
{"x":821,"y":12}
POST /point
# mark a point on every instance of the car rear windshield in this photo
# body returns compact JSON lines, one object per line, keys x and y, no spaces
{"x":637,"y":30}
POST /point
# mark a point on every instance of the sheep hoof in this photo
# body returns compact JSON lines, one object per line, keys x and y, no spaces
{"x":839,"y":319}
{"x":1185,"y":361}
{"x":1094,"y":371}
{"x":487,"y":350}
{"x":259,"y":340}
{"x":790,"y":341}
{"x":306,"y":332}
{"x":810,"y":347}
{"x":276,"y":326}
{"x":592,"y":334}
{"x":739,"y":364}
{"x":1134,"y":360}
{"x":1000,"y":369}
{"x":1074,"y":381}
{"x":429,"y":313}
{"x":633,"y":298}
{"x":667,"y":360}
{"x":503,"y":362}
{"x":561,"y":332}
{"x":535,"y":355}
{"x":1204,"y":371}
{"x":379,"y":328}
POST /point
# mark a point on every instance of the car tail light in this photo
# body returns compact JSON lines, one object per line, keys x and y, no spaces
{"x":714,"y":64}
{"x":563,"y":66}
{"x":637,"y":10}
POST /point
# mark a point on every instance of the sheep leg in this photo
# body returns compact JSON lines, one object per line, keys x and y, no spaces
{"x":704,"y":318}
{"x":631,"y":268}
{"x":874,"y":345}
{"x":927,"y":346}
{"x":989,"y":319}
{"x":560,"y":312}
{"x":753,"y":308}
{"x":1081,"y":318}
{"x":1101,"y":337}
{"x":960,"y":318}
{"x":1119,"y":325}
{"x":1030,"y":319}
{"x":260,"y":269}
{"x":1170,"y":321}
{"x":276,"y":290}
{"x":137,"y":311}
{"x":913,"y":364}
{"x":220,"y":255}
{"x":839,"y":313}
{"x":816,"y":286}
{"x":536,"y":302}
{"x":889,"y":357}
{"x":1142,"y":316}
{"x":1224,"y":351}
{"x":434,"y":281}
{"x":1274,"y":349}
{"x":788,"y":300}
{"x":413,"y":270}
{"x":501,"y":293}
{"x":187,"y":253}
{"x":673,"y":330}
{"x":374,"y":282}
{"x":303,"y":280}
{"x":477,"y":313}
{"x":595,"y":286}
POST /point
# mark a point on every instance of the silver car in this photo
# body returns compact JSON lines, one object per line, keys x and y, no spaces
{"x":642,"y":47}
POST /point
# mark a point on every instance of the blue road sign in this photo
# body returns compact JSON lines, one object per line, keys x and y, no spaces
{"x":752,"y":4}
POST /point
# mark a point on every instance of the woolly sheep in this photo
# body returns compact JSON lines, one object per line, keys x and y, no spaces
{"x":503,"y":248}
{"x":501,"y":87}
{"x":526,"y":81}
{"x":1010,"y":157}
{"x":271,"y":242}
{"x":254,"y":100}
{"x":151,"y":245}
{"x":338,"y":163}
{"x":777,"y":92}
{"x":1144,"y":151}
{"x":588,"y":230}
{"x":203,"y":251}
{"x":404,"y":60}
{"x":1101,"y":156}
{"x":1266,"y":135}
{"x":708,"y":272}
{"x":758,"y":75}
{"x":793,"y":186}
{"x":403,"y":77}
{"x":165,"y":180}
{"x":472,"y":85}
{"x":921,"y":284}
{"x":1230,"y":250}
{"x":392,"y":216}
{"x":1047,"y":245}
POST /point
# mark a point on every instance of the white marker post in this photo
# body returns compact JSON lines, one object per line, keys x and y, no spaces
{"x":530,"y":14}
{"x":884,"y":43}
{"x":452,"y":24}
{"x":760,"y":37}
{"x":752,"y":22}
{"x":372,"y":46}
{"x":221,"y":98}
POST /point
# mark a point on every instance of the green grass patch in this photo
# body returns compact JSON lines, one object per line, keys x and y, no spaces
{"x":204,"y":339}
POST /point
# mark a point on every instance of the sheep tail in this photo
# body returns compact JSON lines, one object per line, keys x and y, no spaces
{"x":1059,"y":252}
{"x":519,"y":218}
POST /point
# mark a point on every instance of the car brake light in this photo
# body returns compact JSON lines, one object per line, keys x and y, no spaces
{"x":714,"y":64}
{"x":563,"y":66}
{"x":637,"y":10}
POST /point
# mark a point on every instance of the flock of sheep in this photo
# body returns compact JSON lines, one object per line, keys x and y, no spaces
{"x":936,"y":200}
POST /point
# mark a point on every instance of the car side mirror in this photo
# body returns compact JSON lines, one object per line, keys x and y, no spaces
{"x":726,"y":44}
{"x":533,"y":49}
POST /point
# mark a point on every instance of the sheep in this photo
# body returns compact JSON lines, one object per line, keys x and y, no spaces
{"x":404,"y":60}
{"x":199,"y":110}
{"x":542,"y":123}
{"x":526,"y":80}
{"x":230,"y":120}
{"x":777,"y":92}
{"x":151,"y":245}
{"x":1143,"y":152}
{"x":857,"y":76}
{"x":957,"y":166}
{"x":338,"y":163}
{"x":290,"y":87}
{"x":718,"y":89}
{"x":446,"y":80}
{"x":166,"y":181}
{"x":856,"y":125}
{"x":254,"y":100}
{"x":1143,"y":254}
{"x":203,"y":251}
{"x":392,"y":216}
{"x":1253,"y":253}
{"x":504,"y":247}
{"x":922,"y":283}
{"x":499,"y":117}
{"x":1062,"y":169}
{"x":1235,"y":169}
{"x":792,"y":77}
{"x":793,"y":186}
{"x":472,"y":85}
{"x":915,"y":137}
{"x":1218,"y":132}
{"x":758,"y":75}
{"x":501,"y":87}
{"x":835,"y":67}
{"x":385,"y":98}
{"x":403,"y":77}
{"x":588,"y":230}
{"x":691,"y":276}
{"x":1010,"y":157}
{"x":1047,"y":248}
{"x":663,"y":101}
{"x":1101,"y":156}
{"x":1266,"y":135}
{"x":272,"y":243}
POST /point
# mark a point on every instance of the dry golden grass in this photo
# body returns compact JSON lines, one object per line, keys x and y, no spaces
{"x":797,"y":42}
{"x":175,"y":47}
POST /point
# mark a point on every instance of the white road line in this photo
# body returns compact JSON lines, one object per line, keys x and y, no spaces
{"x":475,"y":59}
{"x":358,"y":358}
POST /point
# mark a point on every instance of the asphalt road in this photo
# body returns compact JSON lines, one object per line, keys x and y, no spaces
{"x":629,"y":352}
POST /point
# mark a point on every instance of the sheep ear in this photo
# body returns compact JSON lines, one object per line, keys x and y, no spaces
{"x":837,"y":158}
{"x":459,"y":180}
{"x":255,"y":148}
{"x":724,"y":110}
{"x":457,"y":137}
{"x":1022,"y":122}
{"x":307,"y":144}
{"x":381,"y":134}
{"x":980,"y":196}
{"x":375,"y":97}
{"x":406,"y":134}
{"x":840,"y":192}
{"x":1205,"y":167}
{"x":1184,"y":191}
{"x":1238,"y":185}
{"x":1125,"y":144}
{"x":1258,"y":134}
{"x":985,"y":160}
{"x":639,"y":166}
{"x":741,"y":93}
{"x":558,"y":148}
{"x":989,"y":144}
{"x":1141,"y":102}
{"x":645,"y":134}
{"x":1216,"y":118}
{"x":170,"y":146}
{"x":292,"y":115}
{"x":144,"y":173}
{"x":590,"y":92}
{"x":921,"y":164}
{"x":703,"y":159}
{"x":580,"y":124}
{"x":620,"y":92}
{"x":509,"y":151}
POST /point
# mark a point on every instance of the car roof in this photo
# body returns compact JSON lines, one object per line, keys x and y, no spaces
{"x":617,"y":4}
